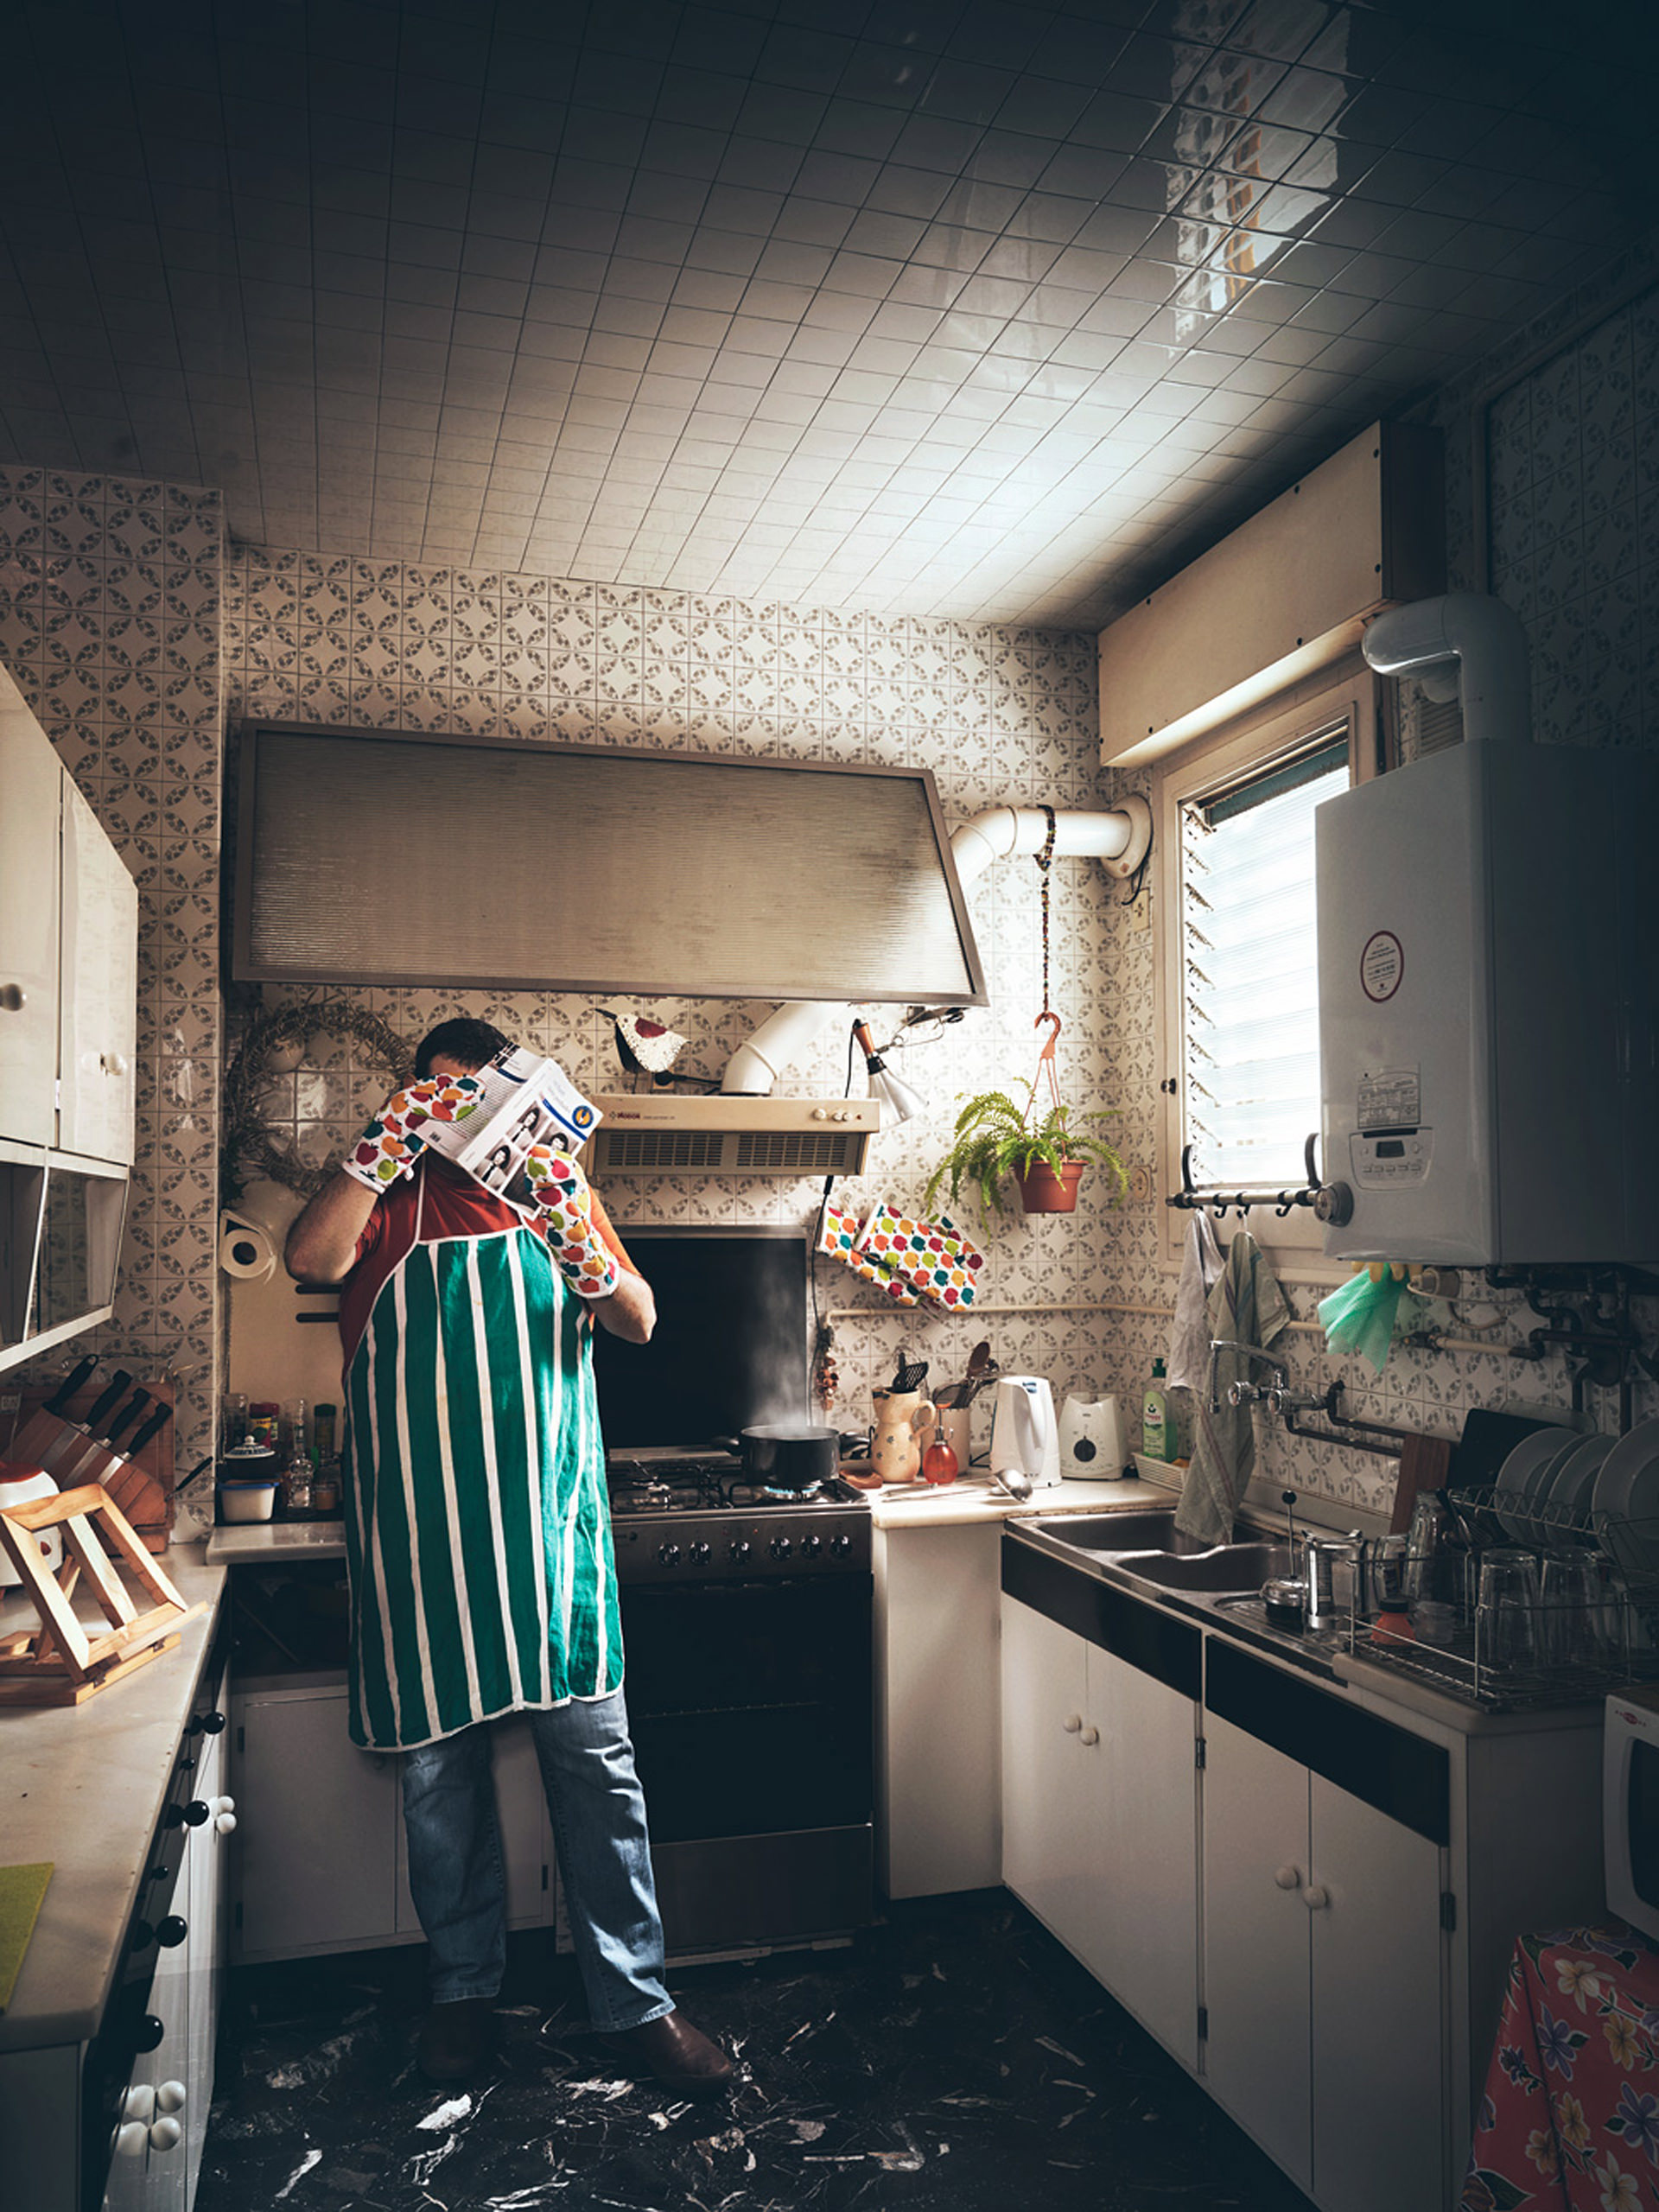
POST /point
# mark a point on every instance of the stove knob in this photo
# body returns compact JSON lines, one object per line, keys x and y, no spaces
{"x":738,"y":1551}
{"x":780,"y":1547}
{"x":149,"y":2033}
{"x":841,"y":1546}
{"x":810,"y":1546}
{"x":702,"y":1553}
{"x":172,"y":1932}
{"x":669,"y":1554}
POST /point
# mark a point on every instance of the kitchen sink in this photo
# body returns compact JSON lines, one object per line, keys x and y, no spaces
{"x":1154,"y":1530}
{"x":1228,"y":1568}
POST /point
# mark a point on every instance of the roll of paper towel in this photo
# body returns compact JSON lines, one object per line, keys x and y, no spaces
{"x":246,"y":1250}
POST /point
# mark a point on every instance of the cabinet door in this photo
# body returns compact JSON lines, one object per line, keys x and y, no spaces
{"x":206,"y":1914}
{"x":32,"y":782}
{"x":316,"y":1836}
{"x":1257,"y":1943}
{"x":522,"y":1825}
{"x":1054,"y":1794}
{"x":98,"y":1018}
{"x":1379,"y":2037}
{"x":1149,"y":1849}
{"x":937,"y":1608}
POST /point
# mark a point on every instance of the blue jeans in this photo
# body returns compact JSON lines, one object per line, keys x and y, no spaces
{"x":455,"y":1875}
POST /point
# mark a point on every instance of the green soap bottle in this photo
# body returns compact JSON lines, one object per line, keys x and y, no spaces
{"x":1159,"y":1439}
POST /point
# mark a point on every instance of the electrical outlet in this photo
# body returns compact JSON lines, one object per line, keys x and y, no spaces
{"x":1139,"y":1185}
{"x":1139,"y":913}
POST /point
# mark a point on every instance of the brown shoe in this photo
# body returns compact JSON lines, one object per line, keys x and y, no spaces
{"x":455,"y":2040}
{"x":681,"y":2057}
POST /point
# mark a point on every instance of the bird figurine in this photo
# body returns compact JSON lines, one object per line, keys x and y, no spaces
{"x":650,"y":1048}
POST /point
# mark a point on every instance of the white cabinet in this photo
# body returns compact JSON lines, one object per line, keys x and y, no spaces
{"x":31,"y":783}
{"x":68,"y":1033}
{"x":937,"y":1699}
{"x":321,"y":1857}
{"x":97,"y":1008}
{"x":1100,"y":1790}
{"x":1325,"y":1955}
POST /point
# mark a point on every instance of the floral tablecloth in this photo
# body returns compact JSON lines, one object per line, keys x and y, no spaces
{"x":1570,"y":2119}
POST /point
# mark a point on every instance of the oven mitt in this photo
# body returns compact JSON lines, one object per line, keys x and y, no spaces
{"x":565,"y":1205}
{"x":839,"y":1238}
{"x":934,"y":1257}
{"x":388,"y":1149}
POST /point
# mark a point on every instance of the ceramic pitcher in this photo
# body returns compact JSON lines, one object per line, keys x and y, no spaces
{"x":903,"y":1421}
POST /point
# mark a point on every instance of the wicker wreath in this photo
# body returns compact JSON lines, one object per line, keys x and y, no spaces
{"x":249,"y":1148}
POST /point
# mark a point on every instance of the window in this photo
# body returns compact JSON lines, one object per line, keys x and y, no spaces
{"x":1238,"y":1014}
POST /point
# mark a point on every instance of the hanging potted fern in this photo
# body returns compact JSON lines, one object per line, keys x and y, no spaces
{"x":996,"y":1143}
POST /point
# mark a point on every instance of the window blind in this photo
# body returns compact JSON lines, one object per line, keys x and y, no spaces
{"x":1249,"y":971}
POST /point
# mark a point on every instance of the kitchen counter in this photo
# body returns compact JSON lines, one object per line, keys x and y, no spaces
{"x":977,"y":1497}
{"x":83,"y":1786}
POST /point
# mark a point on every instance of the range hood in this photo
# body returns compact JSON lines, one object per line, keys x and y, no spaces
{"x":659,"y":1133}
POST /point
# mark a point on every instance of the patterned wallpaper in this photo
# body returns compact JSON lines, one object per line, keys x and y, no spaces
{"x":110,"y":622}
{"x":997,"y":715}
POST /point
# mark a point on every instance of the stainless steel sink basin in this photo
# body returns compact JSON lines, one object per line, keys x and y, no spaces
{"x":1228,"y":1567}
{"x":1151,"y":1531}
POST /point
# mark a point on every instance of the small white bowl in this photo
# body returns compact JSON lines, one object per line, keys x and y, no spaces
{"x":247,"y":1500}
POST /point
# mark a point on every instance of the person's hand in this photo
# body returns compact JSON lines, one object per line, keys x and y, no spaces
{"x":565,"y":1204}
{"x":390,"y":1146}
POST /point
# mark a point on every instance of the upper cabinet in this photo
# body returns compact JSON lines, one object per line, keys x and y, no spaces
{"x":69,"y":1033}
{"x":31,"y":782}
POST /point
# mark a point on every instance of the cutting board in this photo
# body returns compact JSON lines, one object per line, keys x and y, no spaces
{"x":1425,"y":1465}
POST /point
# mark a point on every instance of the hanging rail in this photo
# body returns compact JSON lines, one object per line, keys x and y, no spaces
{"x":1190,"y":1199}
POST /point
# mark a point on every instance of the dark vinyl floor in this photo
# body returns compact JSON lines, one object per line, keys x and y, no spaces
{"x":953,"y":2057}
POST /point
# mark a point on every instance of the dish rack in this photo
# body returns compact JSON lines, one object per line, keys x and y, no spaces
{"x":1623,"y":1617}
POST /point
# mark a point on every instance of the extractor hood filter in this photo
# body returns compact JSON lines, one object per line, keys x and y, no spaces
{"x":647,"y":1132}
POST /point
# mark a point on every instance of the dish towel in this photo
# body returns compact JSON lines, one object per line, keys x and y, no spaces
{"x":1188,"y":1335}
{"x":22,"y":1889}
{"x":1247,"y":1306}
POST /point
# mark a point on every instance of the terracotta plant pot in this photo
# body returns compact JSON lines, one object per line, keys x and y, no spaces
{"x":1041,"y":1190}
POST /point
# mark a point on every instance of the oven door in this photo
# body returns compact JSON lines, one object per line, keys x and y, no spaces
{"x":751,"y":1709}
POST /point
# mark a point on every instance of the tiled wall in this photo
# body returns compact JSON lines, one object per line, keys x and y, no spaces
{"x":997,"y":715}
{"x":110,"y":622}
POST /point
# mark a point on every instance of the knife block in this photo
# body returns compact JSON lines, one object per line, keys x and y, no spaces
{"x":142,"y":1488}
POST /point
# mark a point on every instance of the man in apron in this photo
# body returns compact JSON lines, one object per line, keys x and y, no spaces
{"x":479,"y":1552}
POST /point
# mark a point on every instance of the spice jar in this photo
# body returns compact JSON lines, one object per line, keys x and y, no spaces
{"x":296,"y":1482}
{"x":262,"y":1423}
{"x":325,"y":1486}
{"x":322,"y":1431}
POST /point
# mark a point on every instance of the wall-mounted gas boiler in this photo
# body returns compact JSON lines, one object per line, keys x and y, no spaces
{"x":1489,"y":980}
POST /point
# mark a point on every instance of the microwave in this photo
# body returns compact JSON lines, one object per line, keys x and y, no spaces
{"x":1629,"y":1805}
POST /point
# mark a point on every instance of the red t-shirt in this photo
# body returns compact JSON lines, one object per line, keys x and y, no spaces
{"x":442,"y":1202}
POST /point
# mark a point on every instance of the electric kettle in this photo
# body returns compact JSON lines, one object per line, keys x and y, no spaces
{"x":1025,"y":1436}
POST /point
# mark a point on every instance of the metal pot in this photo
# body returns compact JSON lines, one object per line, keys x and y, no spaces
{"x":788,"y":1458}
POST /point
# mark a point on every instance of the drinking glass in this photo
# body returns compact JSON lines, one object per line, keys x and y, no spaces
{"x":1574,"y":1612}
{"x":1506,"y":1638}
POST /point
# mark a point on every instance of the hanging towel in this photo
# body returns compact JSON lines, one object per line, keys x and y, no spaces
{"x":1189,"y":1336}
{"x":1247,"y":1306}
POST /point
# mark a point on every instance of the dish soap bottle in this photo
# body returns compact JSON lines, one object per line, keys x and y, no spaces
{"x":1159,"y":1439}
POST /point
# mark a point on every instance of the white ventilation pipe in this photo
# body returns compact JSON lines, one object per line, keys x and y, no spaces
{"x":1485,"y":638}
{"x":1118,"y":838}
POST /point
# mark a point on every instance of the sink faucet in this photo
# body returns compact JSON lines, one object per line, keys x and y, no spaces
{"x":1244,"y":1393}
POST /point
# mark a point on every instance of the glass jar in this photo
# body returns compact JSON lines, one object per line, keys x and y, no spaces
{"x":262,"y":1423}
{"x":325,"y":1486}
{"x":233,"y":1421}
{"x":322,"y":1431}
{"x":297,"y":1483}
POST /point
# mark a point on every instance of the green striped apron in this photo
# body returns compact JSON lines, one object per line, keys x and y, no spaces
{"x":477,"y":1535}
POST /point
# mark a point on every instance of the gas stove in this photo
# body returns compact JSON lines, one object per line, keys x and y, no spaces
{"x":690,"y":1516}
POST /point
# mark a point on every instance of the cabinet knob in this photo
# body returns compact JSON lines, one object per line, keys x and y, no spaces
{"x":1072,"y":1722}
{"x":166,"y":2134}
{"x":1289,"y":1878}
{"x":13,"y":998}
{"x":1316,"y":1896}
{"x":1089,"y":1736}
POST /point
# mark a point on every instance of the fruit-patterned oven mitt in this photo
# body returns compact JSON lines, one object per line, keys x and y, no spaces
{"x":390,"y":1146}
{"x":934,"y":1257}
{"x":565,"y":1203}
{"x":839,"y":1237}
